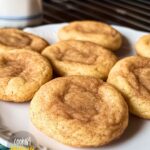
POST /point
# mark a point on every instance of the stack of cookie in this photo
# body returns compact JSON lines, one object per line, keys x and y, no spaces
{"x":78,"y":107}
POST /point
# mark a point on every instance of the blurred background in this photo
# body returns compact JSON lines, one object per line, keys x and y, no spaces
{"x":130,"y":13}
{"x":21,"y":13}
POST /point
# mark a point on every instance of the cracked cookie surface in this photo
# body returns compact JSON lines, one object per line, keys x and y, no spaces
{"x":16,"y":39}
{"x":22,"y":72}
{"x":72,"y":57}
{"x":79,"y":111}
{"x":131,"y":76}
{"x":93,"y":31}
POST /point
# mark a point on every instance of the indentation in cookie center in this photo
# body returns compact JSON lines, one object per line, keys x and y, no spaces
{"x":96,"y":29}
{"x":15,"y":40}
{"x":143,"y":75}
{"x":82,"y":102}
{"x":10,"y":68}
{"x":74,"y":55}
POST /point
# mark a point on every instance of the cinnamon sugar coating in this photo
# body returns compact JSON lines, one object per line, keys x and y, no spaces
{"x":79,"y":111}
{"x":93,"y":31}
{"x":74,"y":57}
{"x":17,"y":39}
{"x":22,"y":72}
{"x":131,"y":76}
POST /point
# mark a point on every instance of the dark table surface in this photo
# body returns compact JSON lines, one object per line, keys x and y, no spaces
{"x":131,"y":13}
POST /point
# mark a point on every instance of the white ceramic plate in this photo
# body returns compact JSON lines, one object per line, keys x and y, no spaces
{"x":16,"y":118}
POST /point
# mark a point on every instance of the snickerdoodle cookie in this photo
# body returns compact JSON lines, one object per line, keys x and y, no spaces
{"x":79,"y":111}
{"x":92,"y":31}
{"x":17,"y":39}
{"x":22,"y":72}
{"x":143,"y":46}
{"x":72,"y":57}
{"x":131,"y":76}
